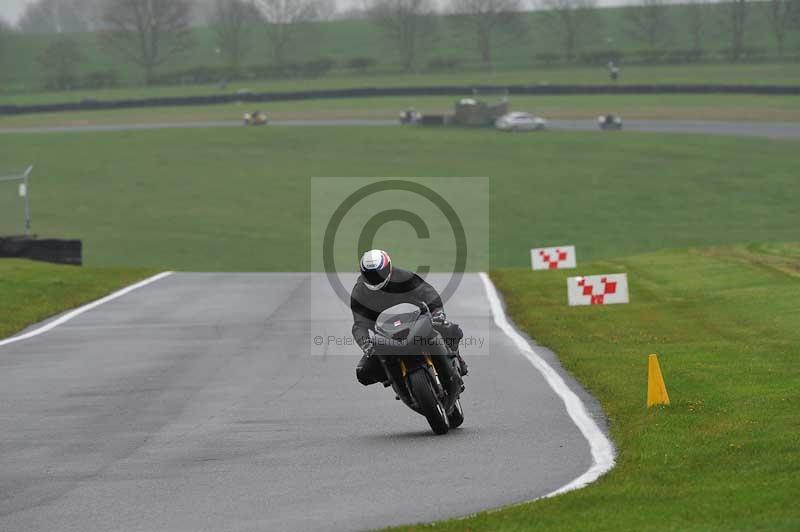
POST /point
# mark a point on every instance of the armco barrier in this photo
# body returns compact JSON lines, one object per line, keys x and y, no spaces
{"x":48,"y":250}
{"x":369,"y":92}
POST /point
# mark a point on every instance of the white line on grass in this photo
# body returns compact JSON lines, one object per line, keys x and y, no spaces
{"x":86,"y":308}
{"x":601,"y":448}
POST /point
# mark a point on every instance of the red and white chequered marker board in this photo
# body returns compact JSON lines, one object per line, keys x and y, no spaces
{"x":558,"y":258}
{"x":598,"y":289}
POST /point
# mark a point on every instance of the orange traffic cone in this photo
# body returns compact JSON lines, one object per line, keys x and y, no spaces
{"x":656,"y":389}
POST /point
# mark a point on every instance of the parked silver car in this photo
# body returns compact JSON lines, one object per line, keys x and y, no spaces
{"x":518,"y":121}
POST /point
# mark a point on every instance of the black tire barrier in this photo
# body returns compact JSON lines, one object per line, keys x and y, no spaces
{"x":370,"y":92}
{"x":47,"y":250}
{"x":433,"y":120}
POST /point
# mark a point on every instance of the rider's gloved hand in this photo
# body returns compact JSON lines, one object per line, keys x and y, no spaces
{"x":369,"y":348}
{"x":438,"y":318}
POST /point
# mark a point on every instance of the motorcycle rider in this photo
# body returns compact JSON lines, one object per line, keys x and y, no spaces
{"x":379,"y":287}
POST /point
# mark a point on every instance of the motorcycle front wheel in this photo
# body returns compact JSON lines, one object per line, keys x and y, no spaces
{"x":456,"y":417}
{"x":430,"y":406}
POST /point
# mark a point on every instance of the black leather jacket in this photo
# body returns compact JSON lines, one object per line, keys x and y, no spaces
{"x":403,"y":287}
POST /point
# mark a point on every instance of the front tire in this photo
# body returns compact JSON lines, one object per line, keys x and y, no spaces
{"x":430,"y":406}
{"x":456,"y":417}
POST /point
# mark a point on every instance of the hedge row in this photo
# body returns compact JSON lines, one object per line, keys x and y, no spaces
{"x":310,"y":69}
{"x":661,"y":57}
{"x":322,"y":66}
{"x":107,"y":79}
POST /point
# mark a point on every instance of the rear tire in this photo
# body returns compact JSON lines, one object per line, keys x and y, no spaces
{"x":456,"y":417}
{"x":429,"y":404}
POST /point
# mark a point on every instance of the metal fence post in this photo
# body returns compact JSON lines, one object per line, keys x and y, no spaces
{"x":27,"y":201}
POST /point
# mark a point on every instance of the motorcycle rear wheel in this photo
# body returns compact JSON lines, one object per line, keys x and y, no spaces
{"x":430,"y":406}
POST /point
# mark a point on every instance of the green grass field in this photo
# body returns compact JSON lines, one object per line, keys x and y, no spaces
{"x":723,"y":455}
{"x":238,"y":199}
{"x":32,"y":291}
{"x":693,"y":107}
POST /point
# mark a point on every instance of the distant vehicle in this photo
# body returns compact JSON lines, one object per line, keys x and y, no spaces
{"x":520,"y":122}
{"x":613,"y":71}
{"x":609,"y":122}
{"x":470,"y":112}
{"x":256,"y":118}
{"x":410,"y":116}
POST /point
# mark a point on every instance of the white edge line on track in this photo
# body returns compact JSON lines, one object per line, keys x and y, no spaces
{"x":86,"y":308}
{"x":602,"y":449}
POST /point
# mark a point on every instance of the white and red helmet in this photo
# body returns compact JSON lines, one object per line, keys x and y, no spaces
{"x":376,"y":268}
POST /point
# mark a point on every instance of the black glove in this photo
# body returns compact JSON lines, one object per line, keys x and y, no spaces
{"x":369,"y":348}
{"x":438,"y":318}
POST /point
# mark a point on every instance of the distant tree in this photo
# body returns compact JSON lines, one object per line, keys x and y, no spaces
{"x":488,"y":19}
{"x":573,"y":20}
{"x":60,"y":61}
{"x":232,"y":21}
{"x":60,"y":16}
{"x":648,"y":22}
{"x":326,"y":10}
{"x":5,"y":30}
{"x":696,"y":13}
{"x":147,"y":32}
{"x":202,"y":12}
{"x":41,"y":17}
{"x":87,"y":14}
{"x":287,"y":24}
{"x":90,"y":12}
{"x":781,"y":16}
{"x":407,"y":23}
{"x":734,"y":22}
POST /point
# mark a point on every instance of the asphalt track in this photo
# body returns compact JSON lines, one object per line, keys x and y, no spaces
{"x":196,"y":403}
{"x":785,"y":130}
{"x":699,"y":127}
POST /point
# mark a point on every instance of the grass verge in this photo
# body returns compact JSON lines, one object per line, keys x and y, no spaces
{"x":238,"y":199}
{"x":723,"y":455}
{"x":32,"y":291}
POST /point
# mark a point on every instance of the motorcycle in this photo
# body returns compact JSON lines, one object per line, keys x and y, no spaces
{"x":256,"y":118}
{"x":410,"y":117}
{"x":609,"y":122}
{"x":420,"y":367}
